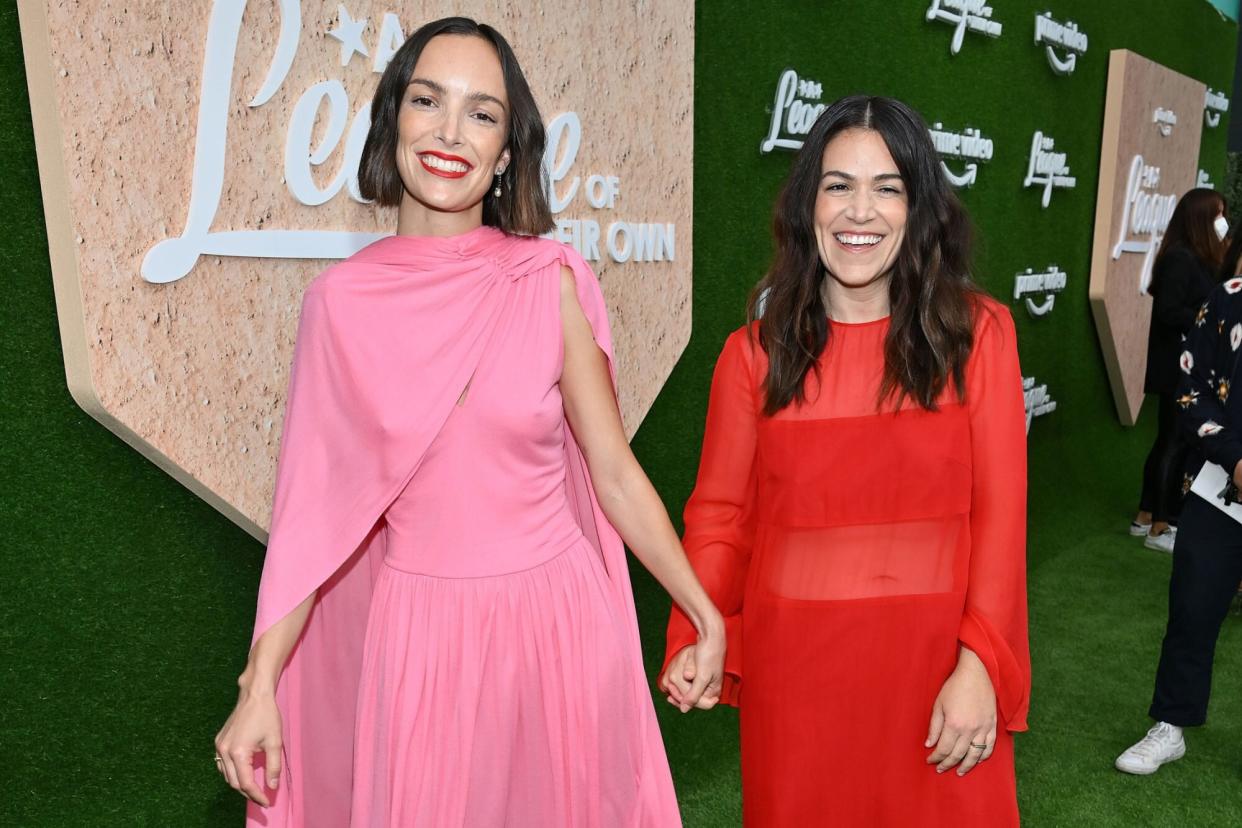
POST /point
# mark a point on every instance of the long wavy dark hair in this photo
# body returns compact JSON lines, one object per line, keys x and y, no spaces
{"x":522,"y":206}
{"x":1190,"y":227}
{"x":932,"y":297}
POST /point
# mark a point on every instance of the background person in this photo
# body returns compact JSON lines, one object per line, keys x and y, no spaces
{"x":1207,"y":561}
{"x":1183,"y":275}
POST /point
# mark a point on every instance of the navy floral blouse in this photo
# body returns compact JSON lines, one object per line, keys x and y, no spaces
{"x":1211,"y":417}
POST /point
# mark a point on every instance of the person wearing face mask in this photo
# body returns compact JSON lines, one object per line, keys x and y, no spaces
{"x":445,"y":632}
{"x":1184,"y":273}
{"x":859,"y":515}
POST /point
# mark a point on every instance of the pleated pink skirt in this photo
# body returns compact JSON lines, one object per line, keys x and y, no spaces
{"x":504,"y":700}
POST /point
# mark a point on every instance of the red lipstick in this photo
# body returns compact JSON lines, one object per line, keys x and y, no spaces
{"x":443,"y":156}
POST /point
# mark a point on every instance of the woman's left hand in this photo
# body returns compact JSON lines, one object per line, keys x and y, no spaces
{"x":963,"y":720}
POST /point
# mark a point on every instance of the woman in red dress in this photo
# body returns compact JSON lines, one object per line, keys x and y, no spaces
{"x":860,"y":510}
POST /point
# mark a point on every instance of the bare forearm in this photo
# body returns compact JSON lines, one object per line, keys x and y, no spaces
{"x":632,"y":505}
{"x":271,"y":651}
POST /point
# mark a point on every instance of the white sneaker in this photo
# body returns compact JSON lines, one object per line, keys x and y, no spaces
{"x":1163,"y":743}
{"x":1162,"y":542}
{"x":1139,"y":530}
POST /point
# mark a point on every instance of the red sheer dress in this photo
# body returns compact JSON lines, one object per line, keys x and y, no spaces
{"x":851,"y":550}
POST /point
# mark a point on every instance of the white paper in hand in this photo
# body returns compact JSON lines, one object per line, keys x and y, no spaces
{"x":1209,"y":483}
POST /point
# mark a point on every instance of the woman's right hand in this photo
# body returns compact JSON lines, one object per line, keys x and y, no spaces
{"x":695,"y":675}
{"x":253,"y":727}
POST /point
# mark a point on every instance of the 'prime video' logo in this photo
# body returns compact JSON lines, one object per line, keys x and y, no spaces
{"x":963,"y":16}
{"x":1055,"y":35}
{"x":968,"y":145}
{"x":1214,"y":103}
{"x":1045,"y":284}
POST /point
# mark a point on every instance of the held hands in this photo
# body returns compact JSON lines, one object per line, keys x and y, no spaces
{"x":695,"y":674}
{"x":253,"y":727}
{"x":963,"y":720}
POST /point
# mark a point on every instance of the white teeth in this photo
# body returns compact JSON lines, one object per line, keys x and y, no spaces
{"x":444,"y":164}
{"x":853,"y":238}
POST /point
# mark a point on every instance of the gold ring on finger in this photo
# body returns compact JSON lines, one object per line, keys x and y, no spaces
{"x":978,"y":747}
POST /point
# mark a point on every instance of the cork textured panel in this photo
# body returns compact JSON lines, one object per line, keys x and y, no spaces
{"x":191,"y":152}
{"x":1149,"y":158}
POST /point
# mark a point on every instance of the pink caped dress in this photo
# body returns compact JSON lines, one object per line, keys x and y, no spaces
{"x":498,"y":681}
{"x":493,"y":678}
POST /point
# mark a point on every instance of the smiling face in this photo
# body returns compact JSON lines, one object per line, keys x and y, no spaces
{"x":860,"y":214}
{"x":451,"y":133}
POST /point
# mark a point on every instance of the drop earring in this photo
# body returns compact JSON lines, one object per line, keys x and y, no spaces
{"x":496,"y":191}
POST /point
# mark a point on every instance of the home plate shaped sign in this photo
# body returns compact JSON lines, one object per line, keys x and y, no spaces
{"x":198,"y":162}
{"x":1148,"y":159}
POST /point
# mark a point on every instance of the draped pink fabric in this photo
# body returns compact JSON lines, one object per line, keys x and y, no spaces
{"x":387,"y":342}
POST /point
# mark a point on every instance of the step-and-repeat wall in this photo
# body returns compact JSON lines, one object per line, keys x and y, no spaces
{"x":198,"y":164}
{"x":1068,"y":129}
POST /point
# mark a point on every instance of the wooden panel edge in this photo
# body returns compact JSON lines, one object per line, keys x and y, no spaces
{"x":1097,"y":285}
{"x":62,"y":253}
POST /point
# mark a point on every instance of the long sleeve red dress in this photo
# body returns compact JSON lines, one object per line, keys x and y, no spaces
{"x":852,"y":549}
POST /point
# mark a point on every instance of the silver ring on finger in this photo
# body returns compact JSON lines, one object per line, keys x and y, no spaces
{"x":978,"y":747}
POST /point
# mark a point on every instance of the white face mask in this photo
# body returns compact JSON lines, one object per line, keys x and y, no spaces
{"x":1222,"y":227}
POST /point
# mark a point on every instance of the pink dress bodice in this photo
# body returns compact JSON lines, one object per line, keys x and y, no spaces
{"x":494,"y":478}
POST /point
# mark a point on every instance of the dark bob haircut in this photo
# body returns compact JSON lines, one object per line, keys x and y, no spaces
{"x":522,"y":208}
{"x":932,"y":298}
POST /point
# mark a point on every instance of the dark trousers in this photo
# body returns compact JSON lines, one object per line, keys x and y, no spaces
{"x":1165,"y":466}
{"x":1207,"y":566}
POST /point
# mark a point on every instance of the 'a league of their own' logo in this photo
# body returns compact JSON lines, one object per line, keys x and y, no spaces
{"x":1044,"y":285}
{"x":1054,"y":35}
{"x":1214,"y":103}
{"x":1047,"y":168}
{"x":963,"y":16}
{"x":1144,"y":218}
{"x":1038,"y":401}
{"x":173,"y":258}
{"x":969,"y":145}
{"x":794,"y":110}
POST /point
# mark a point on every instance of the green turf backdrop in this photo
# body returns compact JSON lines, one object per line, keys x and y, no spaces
{"x":126,"y":604}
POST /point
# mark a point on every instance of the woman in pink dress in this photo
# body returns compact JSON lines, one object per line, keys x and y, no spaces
{"x":445,"y":633}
